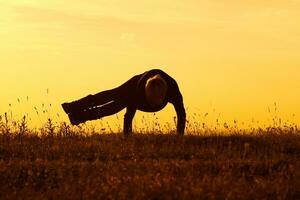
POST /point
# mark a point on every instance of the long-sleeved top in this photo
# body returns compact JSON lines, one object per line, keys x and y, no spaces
{"x":134,"y":96}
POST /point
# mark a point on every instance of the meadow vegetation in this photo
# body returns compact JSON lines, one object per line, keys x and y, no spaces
{"x":58,"y":161}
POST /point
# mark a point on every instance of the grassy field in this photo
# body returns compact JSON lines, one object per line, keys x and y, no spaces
{"x":66,"y":164}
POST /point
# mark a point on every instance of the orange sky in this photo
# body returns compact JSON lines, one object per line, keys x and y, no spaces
{"x":231,"y":58}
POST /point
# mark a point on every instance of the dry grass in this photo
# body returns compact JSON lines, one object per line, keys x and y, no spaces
{"x":59,"y":162}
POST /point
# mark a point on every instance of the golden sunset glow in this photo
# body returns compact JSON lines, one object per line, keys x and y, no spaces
{"x":232,"y":59}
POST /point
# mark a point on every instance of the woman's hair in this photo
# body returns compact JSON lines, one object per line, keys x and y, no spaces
{"x":156,"y":90}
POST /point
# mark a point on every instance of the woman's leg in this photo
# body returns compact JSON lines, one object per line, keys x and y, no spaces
{"x":91,"y":101}
{"x":94,"y":113}
{"x":119,"y":93}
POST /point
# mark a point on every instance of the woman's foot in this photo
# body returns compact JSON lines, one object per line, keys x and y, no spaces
{"x":66,"y":107}
{"x":76,"y":118}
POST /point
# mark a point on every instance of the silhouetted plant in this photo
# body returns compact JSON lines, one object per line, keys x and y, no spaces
{"x":5,"y":126}
{"x":50,"y":127}
{"x":22,"y":125}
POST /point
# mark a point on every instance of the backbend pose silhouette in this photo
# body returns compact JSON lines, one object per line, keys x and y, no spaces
{"x":148,"y":92}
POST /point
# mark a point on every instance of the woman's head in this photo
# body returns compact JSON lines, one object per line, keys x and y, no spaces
{"x":156,"y":90}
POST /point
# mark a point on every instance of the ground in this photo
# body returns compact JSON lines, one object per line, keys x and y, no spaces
{"x":264,"y":165}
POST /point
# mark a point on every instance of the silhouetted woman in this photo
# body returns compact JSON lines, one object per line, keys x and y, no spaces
{"x":148,"y":92}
